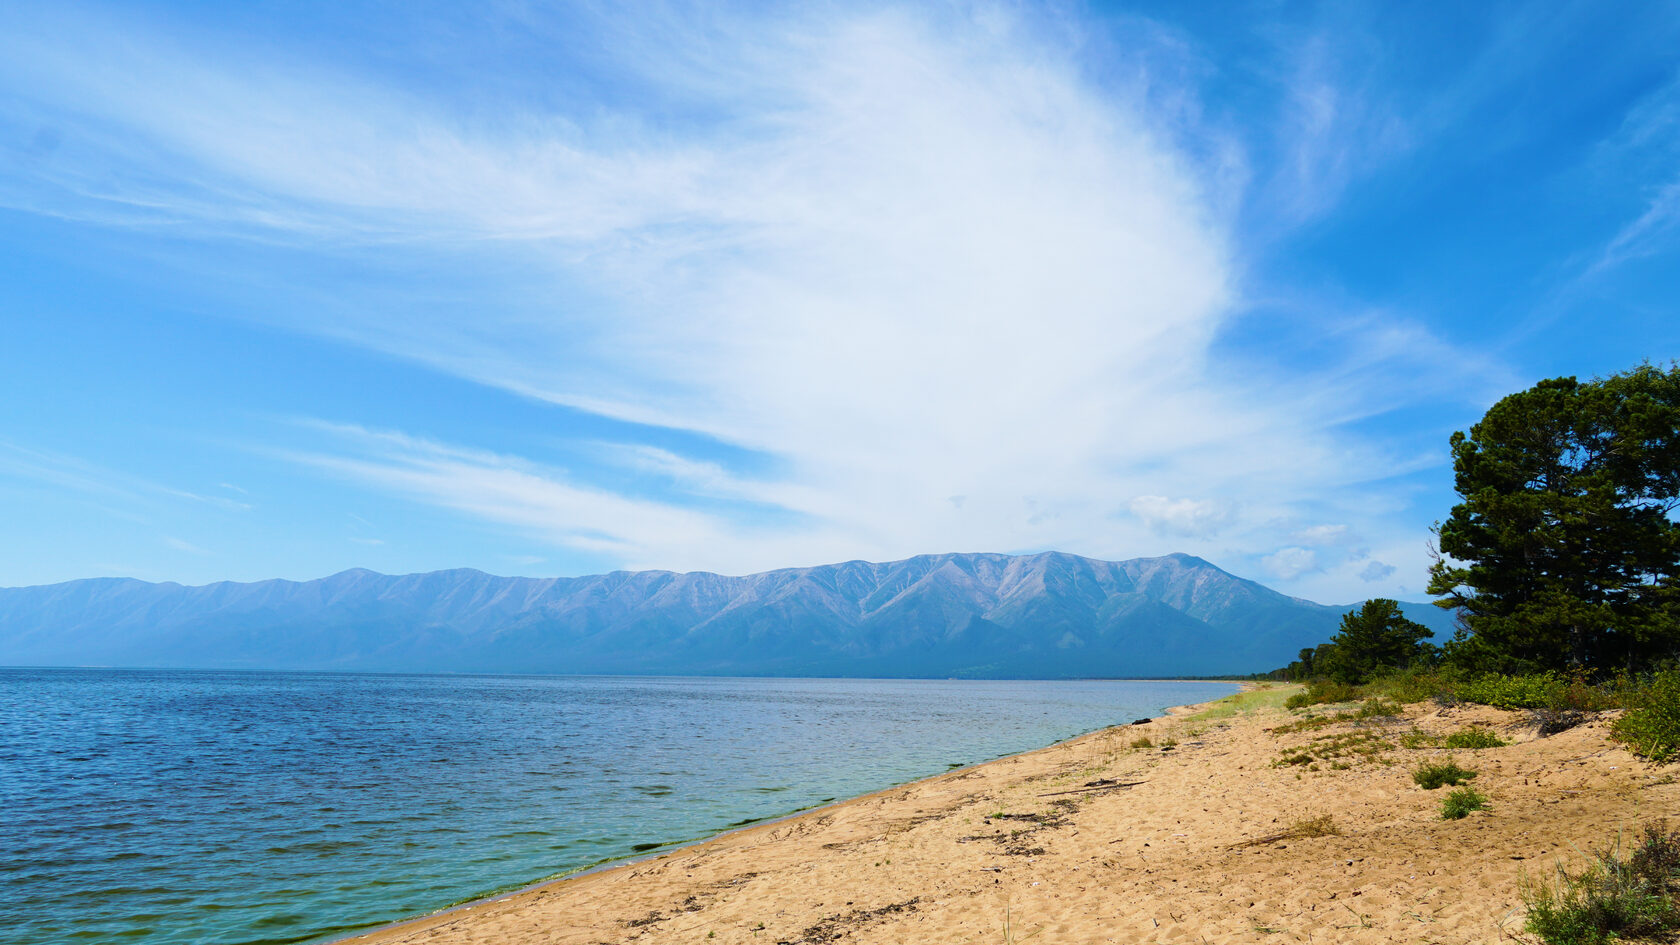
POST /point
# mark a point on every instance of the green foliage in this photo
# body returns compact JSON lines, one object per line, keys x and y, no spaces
{"x":1431,"y":776}
{"x":1547,"y":690}
{"x":1142,"y":741}
{"x":1472,"y":738}
{"x":1458,"y":804}
{"x":1563,"y":552}
{"x":1321,"y":692}
{"x":1613,"y":898}
{"x":1414,"y":684}
{"x":1651,"y":725}
{"x":1374,"y":639}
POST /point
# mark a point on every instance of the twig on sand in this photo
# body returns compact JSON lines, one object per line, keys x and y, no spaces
{"x":1095,"y":786}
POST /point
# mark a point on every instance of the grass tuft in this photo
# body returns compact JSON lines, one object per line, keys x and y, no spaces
{"x":1418,"y":738}
{"x":1458,"y":804}
{"x":1474,"y":737}
{"x":1431,"y":776}
{"x":1613,"y":898}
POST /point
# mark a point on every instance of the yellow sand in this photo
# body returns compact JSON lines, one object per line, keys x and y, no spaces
{"x":1189,"y":853}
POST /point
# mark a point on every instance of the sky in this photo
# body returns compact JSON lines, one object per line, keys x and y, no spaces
{"x":557,"y":289}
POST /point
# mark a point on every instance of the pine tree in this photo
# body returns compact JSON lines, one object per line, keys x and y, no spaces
{"x":1564,"y":551}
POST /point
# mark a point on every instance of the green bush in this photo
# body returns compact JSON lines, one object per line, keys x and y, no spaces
{"x":1612,"y":898}
{"x":1321,"y":692}
{"x":1651,"y":725}
{"x":1431,"y":776}
{"x":1458,"y":804}
{"x":1472,"y":738}
{"x":1536,"y":691}
{"x":1408,"y":686}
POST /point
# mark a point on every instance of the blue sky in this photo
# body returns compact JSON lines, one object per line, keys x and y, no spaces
{"x":540,"y":289}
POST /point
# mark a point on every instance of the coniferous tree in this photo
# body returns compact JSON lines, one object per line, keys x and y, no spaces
{"x":1564,"y":551}
{"x":1374,"y":639}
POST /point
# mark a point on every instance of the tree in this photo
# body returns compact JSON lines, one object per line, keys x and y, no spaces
{"x":1372,"y":639}
{"x":1564,"y":551}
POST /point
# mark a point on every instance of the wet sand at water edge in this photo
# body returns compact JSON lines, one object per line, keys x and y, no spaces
{"x":1095,"y":840}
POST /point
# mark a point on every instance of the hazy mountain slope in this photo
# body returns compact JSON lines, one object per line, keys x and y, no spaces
{"x":933,"y":615}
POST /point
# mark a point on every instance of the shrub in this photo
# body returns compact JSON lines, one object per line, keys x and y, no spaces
{"x":1651,"y":725}
{"x":1474,"y":737}
{"x":1377,"y":708}
{"x":1612,"y":898}
{"x":1458,"y":804}
{"x":1142,"y":741}
{"x":1536,"y":691}
{"x":1412,"y":685}
{"x":1431,"y":776}
{"x":1321,"y":692}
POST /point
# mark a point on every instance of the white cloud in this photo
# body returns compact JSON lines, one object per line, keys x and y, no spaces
{"x":1291,"y":562}
{"x":966,"y":297}
{"x":1189,"y":518}
{"x":1322,"y":535}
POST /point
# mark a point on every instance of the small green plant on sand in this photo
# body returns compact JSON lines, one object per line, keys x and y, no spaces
{"x":1142,"y":741}
{"x":1614,"y":898}
{"x":1352,"y":746}
{"x":1458,"y":804}
{"x":1431,"y":776}
{"x":1474,"y":737}
{"x":1418,"y":738}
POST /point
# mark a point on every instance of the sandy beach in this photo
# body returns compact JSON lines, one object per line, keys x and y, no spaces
{"x":1102,"y":839}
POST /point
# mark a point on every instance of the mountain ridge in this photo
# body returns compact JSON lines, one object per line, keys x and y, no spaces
{"x":955,"y":614}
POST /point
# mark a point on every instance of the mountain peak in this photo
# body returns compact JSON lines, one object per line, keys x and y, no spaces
{"x":957,"y":614}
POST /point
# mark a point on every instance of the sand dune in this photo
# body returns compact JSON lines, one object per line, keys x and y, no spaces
{"x":1093,"y":840}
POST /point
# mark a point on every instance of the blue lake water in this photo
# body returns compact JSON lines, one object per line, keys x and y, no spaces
{"x":172,"y":807}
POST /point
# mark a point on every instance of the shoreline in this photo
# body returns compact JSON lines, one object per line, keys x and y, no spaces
{"x":1197,"y":836}
{"x":395,"y":931}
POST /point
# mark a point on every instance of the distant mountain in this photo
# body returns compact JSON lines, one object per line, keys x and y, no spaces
{"x":969,"y":615}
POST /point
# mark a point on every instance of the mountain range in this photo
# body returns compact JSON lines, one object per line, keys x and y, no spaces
{"x":964,"y":615}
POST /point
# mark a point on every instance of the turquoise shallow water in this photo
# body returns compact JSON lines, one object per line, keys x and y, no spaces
{"x":173,"y":807}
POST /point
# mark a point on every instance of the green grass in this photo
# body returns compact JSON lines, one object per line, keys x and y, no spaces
{"x":1264,"y":696}
{"x":1321,"y":692}
{"x":1474,"y":737}
{"x":1369,"y":709}
{"x":1339,"y":749}
{"x":1431,"y":776}
{"x":1613,"y":897}
{"x":1458,"y":804}
{"x":1418,"y":738}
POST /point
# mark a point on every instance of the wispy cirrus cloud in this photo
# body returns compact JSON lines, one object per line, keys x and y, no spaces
{"x":910,"y":254}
